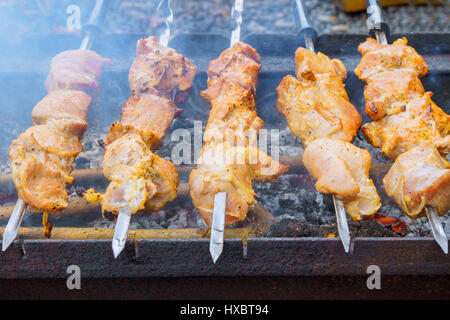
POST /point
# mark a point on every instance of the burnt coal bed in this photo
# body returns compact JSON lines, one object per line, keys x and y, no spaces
{"x":292,"y":199}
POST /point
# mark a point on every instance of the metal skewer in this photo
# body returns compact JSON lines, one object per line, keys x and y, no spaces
{"x":220,"y":198}
{"x":309,"y":33}
{"x":12,"y":228}
{"x":123,"y":219}
{"x":380,"y":29}
{"x":436,"y":228}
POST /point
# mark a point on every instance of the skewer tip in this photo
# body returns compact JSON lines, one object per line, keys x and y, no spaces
{"x":436,"y":228}
{"x":120,"y":232}
{"x":217,"y":228}
{"x":7,"y":239}
{"x":342,"y":225}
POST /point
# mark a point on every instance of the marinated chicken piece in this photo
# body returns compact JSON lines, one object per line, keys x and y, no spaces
{"x":139,"y":178}
{"x":387,"y":92}
{"x":241,"y":63}
{"x":228,"y":168}
{"x":343,"y":169}
{"x":42,"y":157}
{"x":66,"y":109}
{"x":148,"y":115}
{"x":41,"y":162}
{"x":419,"y":177}
{"x":314,"y":111}
{"x":318,"y":111}
{"x":76,"y":70}
{"x":405,"y":116}
{"x":161,"y":68}
{"x":316,"y":103}
{"x":230,"y":160}
{"x":308,"y":65}
{"x":422,"y":122}
{"x":233,"y":116}
{"x":377,"y":57}
{"x":62,"y":104}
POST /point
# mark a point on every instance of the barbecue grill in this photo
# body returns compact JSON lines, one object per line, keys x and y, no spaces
{"x":251,"y":249}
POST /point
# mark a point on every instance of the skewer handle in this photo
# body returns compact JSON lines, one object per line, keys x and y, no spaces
{"x":92,"y":26}
{"x":236,"y":14}
{"x":376,"y":21}
{"x":306,"y":30}
{"x":165,"y":10}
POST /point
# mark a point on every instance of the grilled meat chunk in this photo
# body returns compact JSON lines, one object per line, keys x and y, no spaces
{"x":230,"y":160}
{"x":42,"y":157}
{"x":229,"y":168}
{"x":404,"y":114}
{"x":318,"y":111}
{"x":76,"y":70}
{"x":64,"y":108}
{"x":148,"y":115}
{"x":419,"y":177}
{"x":343,"y":169}
{"x":316,"y":103}
{"x":313,"y":111}
{"x":377,"y":57}
{"x":161,"y":68}
{"x":139,"y":178}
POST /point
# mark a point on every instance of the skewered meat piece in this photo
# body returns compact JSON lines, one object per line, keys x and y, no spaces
{"x":68,"y":107}
{"x":318,"y":111}
{"x":379,"y":57}
{"x":316,"y":104}
{"x":404,"y":114}
{"x":148,"y":115}
{"x":161,"y":68}
{"x":42,"y":157}
{"x":343,"y":169}
{"x":224,"y":167}
{"x":76,"y":70}
{"x":233,"y":116}
{"x":230,"y":160}
{"x":419,"y":177}
{"x":139,"y":178}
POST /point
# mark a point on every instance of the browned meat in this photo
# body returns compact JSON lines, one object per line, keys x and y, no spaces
{"x":404,"y":114}
{"x":69,"y":108}
{"x":42,"y":157}
{"x":224,"y":167}
{"x":240,"y":64}
{"x":229,"y":160}
{"x":343,"y":169}
{"x":139,"y":178}
{"x":146,"y":114}
{"x":318,"y":111}
{"x":316,"y":103}
{"x":76,"y":70}
{"x":379,"y":58}
{"x":419,"y":177}
{"x":161,"y":68}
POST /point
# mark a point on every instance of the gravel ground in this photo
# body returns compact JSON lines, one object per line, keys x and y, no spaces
{"x":260,"y":16}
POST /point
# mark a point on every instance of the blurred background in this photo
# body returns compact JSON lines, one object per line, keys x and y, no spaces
{"x":19,"y":18}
